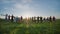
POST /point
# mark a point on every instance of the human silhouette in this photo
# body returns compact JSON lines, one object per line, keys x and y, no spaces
{"x":6,"y":16}
{"x":47,"y":19}
{"x":54,"y":18}
{"x":21,"y":18}
{"x":12,"y":18}
{"x":38,"y":18}
{"x":34,"y":19}
{"x":50,"y":19}
{"x":9,"y":17}
{"x":44,"y":19}
{"x":41,"y":19}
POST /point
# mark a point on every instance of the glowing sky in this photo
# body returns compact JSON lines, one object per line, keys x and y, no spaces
{"x":30,"y":7}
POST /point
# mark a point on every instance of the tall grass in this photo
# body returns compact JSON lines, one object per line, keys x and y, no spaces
{"x":7,"y":27}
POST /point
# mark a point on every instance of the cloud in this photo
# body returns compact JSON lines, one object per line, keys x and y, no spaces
{"x":23,"y":7}
{"x":26,"y":1}
{"x":17,"y":4}
{"x":23,"y":1}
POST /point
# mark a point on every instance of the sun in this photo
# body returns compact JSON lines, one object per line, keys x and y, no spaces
{"x":27,"y":16}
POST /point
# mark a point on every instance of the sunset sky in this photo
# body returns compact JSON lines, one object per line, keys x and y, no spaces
{"x":29,"y":8}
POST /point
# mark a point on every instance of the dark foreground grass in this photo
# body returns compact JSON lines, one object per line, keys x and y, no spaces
{"x":31,"y":28}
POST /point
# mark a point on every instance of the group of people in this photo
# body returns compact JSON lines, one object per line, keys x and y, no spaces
{"x":8,"y":17}
{"x":34,"y":19}
{"x":41,"y":19}
{"x":13,"y":18}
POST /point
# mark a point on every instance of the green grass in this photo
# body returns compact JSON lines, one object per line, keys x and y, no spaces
{"x":31,"y":28}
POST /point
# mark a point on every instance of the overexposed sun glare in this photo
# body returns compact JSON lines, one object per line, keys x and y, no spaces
{"x":26,"y":16}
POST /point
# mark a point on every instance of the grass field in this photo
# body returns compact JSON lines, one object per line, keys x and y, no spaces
{"x":31,"y":28}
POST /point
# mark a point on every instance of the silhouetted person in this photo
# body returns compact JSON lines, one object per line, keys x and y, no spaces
{"x":44,"y":19}
{"x":47,"y":19}
{"x":12,"y":18}
{"x":38,"y":18}
{"x":41,"y":19}
{"x":9,"y":17}
{"x":54,"y":18}
{"x":50,"y":19}
{"x":30,"y":18}
{"x":16,"y":19}
{"x":34,"y":19}
{"x":6,"y":16}
{"x":21,"y":18}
